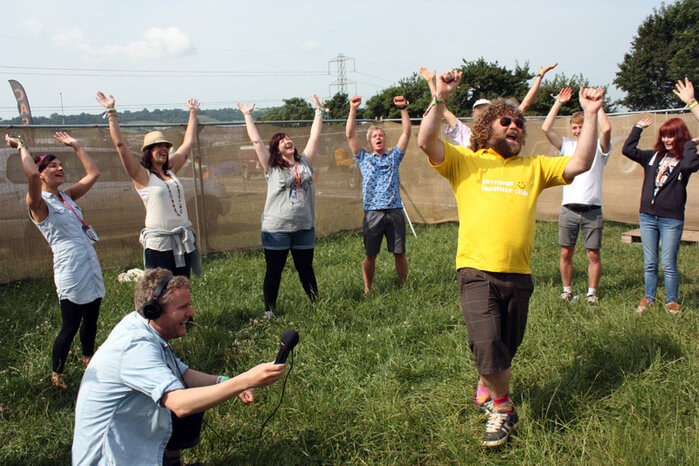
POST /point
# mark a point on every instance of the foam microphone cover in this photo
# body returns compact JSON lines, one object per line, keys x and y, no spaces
{"x":288,"y":341}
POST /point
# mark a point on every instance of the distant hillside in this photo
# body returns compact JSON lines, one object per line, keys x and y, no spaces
{"x":139,"y":116}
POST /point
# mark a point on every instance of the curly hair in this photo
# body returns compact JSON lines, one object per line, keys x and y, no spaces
{"x":146,"y":287}
{"x":673,"y":128}
{"x":276,"y":159}
{"x":483,"y":125}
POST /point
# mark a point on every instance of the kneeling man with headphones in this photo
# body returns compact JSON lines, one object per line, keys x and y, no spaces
{"x":134,"y":382}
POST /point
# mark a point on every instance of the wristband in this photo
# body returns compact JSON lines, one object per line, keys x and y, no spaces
{"x":538,"y":75}
{"x":402,"y":107}
{"x":221,"y":378}
{"x":319,"y":112}
{"x":692,"y":104}
{"x":435,"y":100}
{"x":108,"y":112}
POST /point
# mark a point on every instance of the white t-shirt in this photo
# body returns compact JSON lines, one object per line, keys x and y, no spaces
{"x":586,"y":188}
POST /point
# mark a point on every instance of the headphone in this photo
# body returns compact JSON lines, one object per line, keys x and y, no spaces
{"x":152,"y":309}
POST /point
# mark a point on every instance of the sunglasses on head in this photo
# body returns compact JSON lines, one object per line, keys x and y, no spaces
{"x":506,"y":121}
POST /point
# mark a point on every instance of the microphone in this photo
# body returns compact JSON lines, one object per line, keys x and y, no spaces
{"x":288,"y":341}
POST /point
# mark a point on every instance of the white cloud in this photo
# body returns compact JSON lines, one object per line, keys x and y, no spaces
{"x":156,"y":43}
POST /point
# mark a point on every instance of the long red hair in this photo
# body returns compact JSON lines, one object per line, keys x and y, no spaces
{"x":673,"y":128}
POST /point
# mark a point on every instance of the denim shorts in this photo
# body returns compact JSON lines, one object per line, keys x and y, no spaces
{"x":302,"y":239}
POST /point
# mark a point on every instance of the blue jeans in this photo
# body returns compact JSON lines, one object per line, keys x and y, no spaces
{"x":669,"y":232}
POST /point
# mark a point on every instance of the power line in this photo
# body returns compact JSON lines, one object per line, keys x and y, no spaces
{"x":54,"y":71}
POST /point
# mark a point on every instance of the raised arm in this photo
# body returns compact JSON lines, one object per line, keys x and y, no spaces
{"x":630,"y":148}
{"x":311,"y":149}
{"x":261,"y":150}
{"x":450,"y":118}
{"x":605,"y":130}
{"x":553,"y":137}
{"x":178,"y":159}
{"x":400,"y":102}
{"x":531,"y":94}
{"x":591,"y":101}
{"x":91,"y":171}
{"x":685,"y":91}
{"x":428,"y":135}
{"x":195,"y":400}
{"x":137,"y":172}
{"x":351,"y":129}
{"x":35,"y":202}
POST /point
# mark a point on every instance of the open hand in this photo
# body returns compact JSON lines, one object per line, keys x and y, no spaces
{"x":317,"y":101}
{"x":447,"y":82}
{"x":427,"y":74}
{"x":545,"y":69}
{"x":644,"y":123}
{"x":65,"y":138}
{"x":684,"y":90}
{"x":565,"y":95}
{"x":245,"y":108}
{"x":107,"y":102}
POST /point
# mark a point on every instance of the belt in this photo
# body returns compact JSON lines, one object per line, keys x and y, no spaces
{"x":581,"y":207}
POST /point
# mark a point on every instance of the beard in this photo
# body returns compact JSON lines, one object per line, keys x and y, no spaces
{"x":505,"y":147}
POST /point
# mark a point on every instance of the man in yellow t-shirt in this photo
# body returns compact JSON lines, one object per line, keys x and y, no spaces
{"x":496,"y":193}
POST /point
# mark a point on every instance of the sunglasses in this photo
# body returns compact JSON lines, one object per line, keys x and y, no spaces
{"x":506,"y":121}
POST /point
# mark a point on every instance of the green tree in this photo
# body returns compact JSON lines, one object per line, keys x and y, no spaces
{"x":664,"y":50}
{"x":338,"y":107}
{"x":413,"y":88}
{"x":294,"y":108}
{"x":548,"y":89}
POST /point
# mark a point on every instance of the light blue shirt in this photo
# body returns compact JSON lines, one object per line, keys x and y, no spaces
{"x":76,"y":269}
{"x":118,"y":415}
{"x":380,"y":179}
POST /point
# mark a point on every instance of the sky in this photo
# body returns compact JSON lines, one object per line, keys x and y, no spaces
{"x":157,"y":54}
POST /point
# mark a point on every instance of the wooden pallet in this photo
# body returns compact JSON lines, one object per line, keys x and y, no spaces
{"x":634,"y":236}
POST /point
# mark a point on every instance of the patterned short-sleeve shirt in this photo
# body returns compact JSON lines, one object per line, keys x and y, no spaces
{"x":380,"y":179}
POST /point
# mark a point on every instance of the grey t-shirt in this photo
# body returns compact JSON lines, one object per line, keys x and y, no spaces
{"x":290,"y":204}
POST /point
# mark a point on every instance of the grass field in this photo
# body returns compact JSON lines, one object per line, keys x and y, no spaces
{"x":388,"y":378}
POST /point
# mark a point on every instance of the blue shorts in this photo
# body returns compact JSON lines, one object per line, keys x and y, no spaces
{"x":302,"y":239}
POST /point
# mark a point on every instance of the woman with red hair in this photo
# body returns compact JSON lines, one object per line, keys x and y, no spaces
{"x":666,"y":171}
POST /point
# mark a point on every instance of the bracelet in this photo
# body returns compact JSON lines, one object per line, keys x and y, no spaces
{"x":221,"y":378}
{"x":319,"y":112}
{"x":692,"y":104}
{"x":402,"y":107}
{"x":108,"y":112}
{"x":538,"y":75}
{"x":435,"y":100}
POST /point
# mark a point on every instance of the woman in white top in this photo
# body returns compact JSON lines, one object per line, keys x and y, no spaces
{"x":76,"y":269}
{"x":289,"y":216}
{"x":168,"y":238}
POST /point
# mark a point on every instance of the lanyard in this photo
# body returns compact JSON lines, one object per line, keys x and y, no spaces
{"x":663,"y":168}
{"x":296,"y":173}
{"x":71,"y":208}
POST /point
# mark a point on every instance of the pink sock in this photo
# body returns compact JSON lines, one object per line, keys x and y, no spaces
{"x":482,"y":394}
{"x":504,"y":404}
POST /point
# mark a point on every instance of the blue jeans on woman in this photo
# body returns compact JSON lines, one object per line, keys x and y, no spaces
{"x":669,"y":232}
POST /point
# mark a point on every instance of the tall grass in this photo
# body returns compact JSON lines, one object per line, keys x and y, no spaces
{"x":388,"y":378}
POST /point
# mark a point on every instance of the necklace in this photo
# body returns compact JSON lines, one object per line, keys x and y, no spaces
{"x":172,"y":199}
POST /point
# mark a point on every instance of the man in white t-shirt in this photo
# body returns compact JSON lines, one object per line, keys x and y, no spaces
{"x":581,"y":206}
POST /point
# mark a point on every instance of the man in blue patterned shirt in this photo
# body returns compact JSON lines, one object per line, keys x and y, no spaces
{"x":383,"y":215}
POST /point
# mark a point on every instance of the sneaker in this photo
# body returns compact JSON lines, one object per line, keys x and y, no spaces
{"x":673,"y":308}
{"x":592,"y":300}
{"x":566,"y":296}
{"x":269,"y":315}
{"x":643,"y":306}
{"x":488,"y":406}
{"x":499,"y":427}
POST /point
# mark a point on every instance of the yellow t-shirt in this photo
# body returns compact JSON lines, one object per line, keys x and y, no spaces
{"x":496,"y":199}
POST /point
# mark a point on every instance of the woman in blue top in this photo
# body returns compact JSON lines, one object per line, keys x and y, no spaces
{"x":76,"y":269}
{"x":289,"y":216}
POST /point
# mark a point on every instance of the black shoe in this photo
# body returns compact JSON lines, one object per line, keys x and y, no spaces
{"x":499,"y":427}
{"x":488,"y":406}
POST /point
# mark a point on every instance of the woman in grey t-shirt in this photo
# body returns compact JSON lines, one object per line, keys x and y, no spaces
{"x":289,"y":216}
